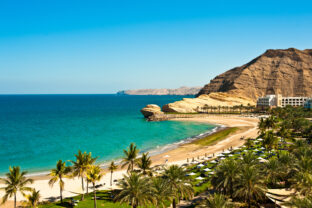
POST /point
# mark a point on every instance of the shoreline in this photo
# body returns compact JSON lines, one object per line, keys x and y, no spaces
{"x":152,"y":152}
{"x":177,"y":154}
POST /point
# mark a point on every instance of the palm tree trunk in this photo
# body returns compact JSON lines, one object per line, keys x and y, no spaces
{"x":87,"y":187}
{"x":249,"y":198}
{"x":61,"y":195}
{"x":82,"y":196}
{"x":14,"y":200}
{"x":111,"y":179}
{"x":174,"y":203}
{"x":94,"y":191}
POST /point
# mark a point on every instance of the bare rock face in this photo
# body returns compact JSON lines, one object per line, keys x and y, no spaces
{"x":286,"y":72}
{"x":192,"y":105}
{"x":151,"y":110}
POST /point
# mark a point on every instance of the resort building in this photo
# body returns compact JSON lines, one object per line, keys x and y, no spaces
{"x":267,"y":101}
{"x":270,"y":101}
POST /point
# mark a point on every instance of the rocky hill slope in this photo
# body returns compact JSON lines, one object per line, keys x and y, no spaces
{"x":287,"y":72}
{"x":191,"y":105}
{"x":178,"y":91}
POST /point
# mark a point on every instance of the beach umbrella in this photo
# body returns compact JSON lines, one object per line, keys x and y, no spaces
{"x":222,"y":158}
{"x":230,"y":155}
{"x":195,"y":162}
{"x":191,"y":174}
{"x":213,"y":161}
{"x":200,"y":165}
{"x":260,"y":139}
{"x":199,"y":178}
{"x":227,"y":152}
{"x":207,"y":169}
{"x":211,"y":172}
{"x":260,"y":158}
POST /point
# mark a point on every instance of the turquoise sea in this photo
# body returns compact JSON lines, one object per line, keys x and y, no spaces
{"x":38,"y":130}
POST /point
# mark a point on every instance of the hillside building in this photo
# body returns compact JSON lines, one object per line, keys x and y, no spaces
{"x":278,"y":100}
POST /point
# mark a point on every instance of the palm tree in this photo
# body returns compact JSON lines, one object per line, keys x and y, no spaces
{"x":161,"y":192}
{"x":261,"y":126}
{"x":130,"y":157}
{"x":302,"y":183}
{"x":144,"y":163}
{"x":225,"y":175}
{"x":94,"y":174}
{"x":135,"y":190}
{"x":250,"y":159}
{"x":32,"y":199}
{"x":250,"y":186}
{"x":273,"y":170}
{"x":89,"y":160}
{"x":80,"y":168}
{"x":286,"y":161}
{"x":217,"y":201}
{"x":58,"y":174}
{"x":112,"y":167}
{"x":177,"y":183}
{"x":270,"y":141}
{"x":249,"y":143}
{"x":271,"y":122}
{"x":15,"y":181}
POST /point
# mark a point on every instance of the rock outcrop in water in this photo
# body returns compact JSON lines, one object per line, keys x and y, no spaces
{"x":287,"y":72}
{"x":151,"y":110}
{"x":178,"y":91}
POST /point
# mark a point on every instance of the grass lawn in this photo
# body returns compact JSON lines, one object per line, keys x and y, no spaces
{"x":213,"y":138}
{"x":104,"y":200}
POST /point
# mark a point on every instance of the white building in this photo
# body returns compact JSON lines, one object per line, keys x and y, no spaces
{"x":267,"y":101}
{"x":279,"y":101}
{"x":294,"y":101}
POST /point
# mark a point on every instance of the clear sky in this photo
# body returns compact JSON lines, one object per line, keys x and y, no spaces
{"x":63,"y":46}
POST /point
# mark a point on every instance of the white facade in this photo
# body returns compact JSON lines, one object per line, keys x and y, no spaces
{"x":294,"y":101}
{"x":267,"y":101}
{"x":278,"y":100}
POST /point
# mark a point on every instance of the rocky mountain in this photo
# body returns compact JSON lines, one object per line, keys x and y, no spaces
{"x":179,"y":91}
{"x":287,"y":72}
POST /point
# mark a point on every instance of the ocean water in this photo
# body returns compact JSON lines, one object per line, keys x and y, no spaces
{"x":38,"y":130}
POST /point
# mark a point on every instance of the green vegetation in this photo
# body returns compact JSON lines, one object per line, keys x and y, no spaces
{"x":279,"y":158}
{"x":104,"y":201}
{"x":218,"y":136}
{"x":15,"y":182}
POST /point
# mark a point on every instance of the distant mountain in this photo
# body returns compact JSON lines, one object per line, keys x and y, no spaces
{"x":179,"y":91}
{"x":287,"y":72}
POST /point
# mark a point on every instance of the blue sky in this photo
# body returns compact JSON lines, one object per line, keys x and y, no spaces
{"x":105,"y":46}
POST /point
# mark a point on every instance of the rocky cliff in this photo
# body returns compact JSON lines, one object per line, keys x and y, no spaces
{"x":192,"y":105}
{"x":287,"y":72}
{"x":178,"y":91}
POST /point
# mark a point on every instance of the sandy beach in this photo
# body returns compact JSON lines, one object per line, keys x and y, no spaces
{"x":179,"y":155}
